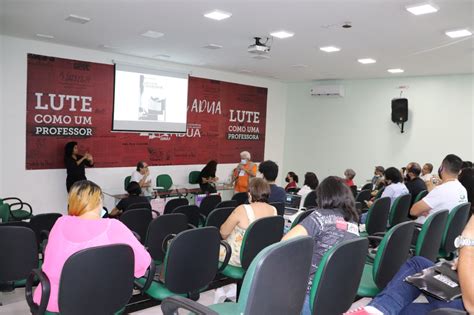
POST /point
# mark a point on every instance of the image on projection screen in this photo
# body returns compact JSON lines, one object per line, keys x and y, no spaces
{"x":148,"y":100}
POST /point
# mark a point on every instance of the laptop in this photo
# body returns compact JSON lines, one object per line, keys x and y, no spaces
{"x":292,"y":203}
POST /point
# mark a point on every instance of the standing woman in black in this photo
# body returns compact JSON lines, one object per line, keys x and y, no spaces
{"x":75,"y":163}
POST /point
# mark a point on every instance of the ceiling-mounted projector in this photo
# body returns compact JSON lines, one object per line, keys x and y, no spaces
{"x":258,"y":47}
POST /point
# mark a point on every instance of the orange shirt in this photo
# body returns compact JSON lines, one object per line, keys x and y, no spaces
{"x":242,"y":182}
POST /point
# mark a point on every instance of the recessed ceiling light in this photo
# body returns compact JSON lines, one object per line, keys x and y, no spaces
{"x":218,"y":15}
{"x":299,"y":65}
{"x":423,"y":8}
{"x":366,"y":60}
{"x":396,"y":70}
{"x":330,"y":49}
{"x":213,"y":46}
{"x":45,"y":36}
{"x":458,"y":33}
{"x":152,"y":34}
{"x":282,"y":34}
{"x":260,"y":57}
{"x":77,"y":19}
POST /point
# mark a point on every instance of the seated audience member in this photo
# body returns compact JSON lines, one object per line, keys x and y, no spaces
{"x":334,"y":221}
{"x":349,"y":175}
{"x":244,"y":172}
{"x":134,"y":192}
{"x":311,"y":182}
{"x":207,"y":178}
{"x":81,"y":229}
{"x":377,"y":180}
{"x":398,"y":295}
{"x":292,"y":180}
{"x":413,"y":182}
{"x":234,"y":227}
{"x":142,"y":176}
{"x":426,"y":172}
{"x":466,"y":178}
{"x":269,"y":170}
{"x":394,"y":188}
{"x":466,"y":164}
{"x":445,"y":196}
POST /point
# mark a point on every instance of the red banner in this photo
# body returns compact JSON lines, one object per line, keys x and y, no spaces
{"x":70,"y":100}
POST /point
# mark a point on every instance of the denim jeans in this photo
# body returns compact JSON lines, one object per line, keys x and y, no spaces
{"x":306,"y":310}
{"x":398,"y":295}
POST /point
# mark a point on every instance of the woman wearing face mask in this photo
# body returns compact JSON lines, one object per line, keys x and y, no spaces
{"x":292,"y":180}
{"x":243,"y":173}
{"x":234,"y":227}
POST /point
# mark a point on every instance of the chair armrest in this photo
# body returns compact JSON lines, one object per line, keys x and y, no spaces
{"x":21,"y":208}
{"x":45,"y":291}
{"x":191,"y":226}
{"x":149,"y":278}
{"x":166,"y":240}
{"x":156,"y":212}
{"x":418,"y":225}
{"x":202,"y":219}
{"x":382,"y":234}
{"x":228,"y":252}
{"x":170,"y":305}
{"x":17,"y":200}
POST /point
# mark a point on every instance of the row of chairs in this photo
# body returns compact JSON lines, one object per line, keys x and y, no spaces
{"x":165,"y":180}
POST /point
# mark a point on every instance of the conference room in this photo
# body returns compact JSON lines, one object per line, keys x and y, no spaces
{"x":275,"y":111}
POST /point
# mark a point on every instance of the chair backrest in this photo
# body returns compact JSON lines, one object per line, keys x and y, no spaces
{"x":377,"y":216}
{"x":191,"y":260}
{"x":301,"y":217}
{"x":161,"y":227}
{"x":172,"y":204}
{"x":260,"y":234}
{"x":457,"y":220}
{"x":364,"y":195}
{"x":422,"y":194}
{"x":354,"y":190}
{"x":165,"y":181}
{"x":97,"y":280}
{"x":191,"y":212}
{"x":279,"y":206}
{"x":310,"y":200}
{"x":241,"y":198}
{"x":429,"y":239}
{"x":392,"y":252}
{"x":19,"y":252}
{"x":333,"y":281}
{"x":209,"y":203}
{"x":137,"y":220}
{"x":139,"y":205}
{"x":4,"y":212}
{"x":43,"y":222}
{"x":399,"y":210}
{"x":126,"y":181}
{"x":273,"y":262}
{"x":293,"y":190}
{"x":367,"y":186}
{"x":218,"y":216}
{"x":193,"y":177}
{"x":227,"y":204}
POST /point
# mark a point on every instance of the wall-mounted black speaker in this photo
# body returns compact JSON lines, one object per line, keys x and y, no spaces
{"x":399,"y":110}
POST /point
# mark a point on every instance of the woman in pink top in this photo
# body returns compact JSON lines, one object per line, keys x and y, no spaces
{"x":84,"y":228}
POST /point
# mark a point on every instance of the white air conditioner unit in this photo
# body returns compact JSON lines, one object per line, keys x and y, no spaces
{"x":328,"y":90}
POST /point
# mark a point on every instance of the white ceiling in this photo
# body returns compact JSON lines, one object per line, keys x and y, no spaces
{"x":382,"y":29}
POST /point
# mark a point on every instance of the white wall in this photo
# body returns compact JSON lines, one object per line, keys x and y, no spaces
{"x":330,"y":134}
{"x":45,"y":189}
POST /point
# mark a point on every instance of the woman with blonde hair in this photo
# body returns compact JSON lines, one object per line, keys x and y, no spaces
{"x":84,"y":228}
